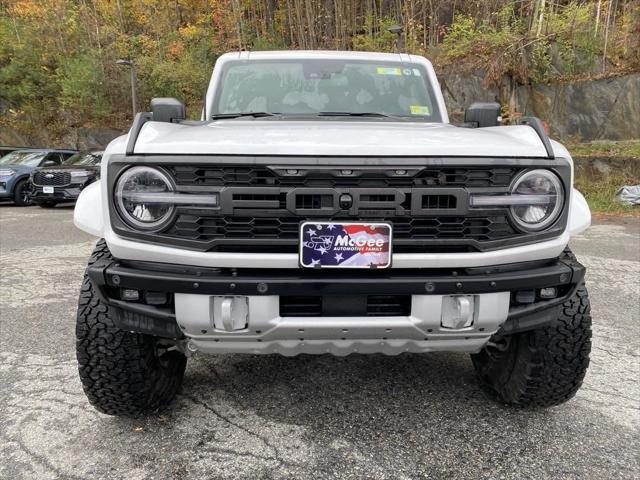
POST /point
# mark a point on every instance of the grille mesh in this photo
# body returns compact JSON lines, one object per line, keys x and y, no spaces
{"x":56,"y":179}
{"x":208,"y":228}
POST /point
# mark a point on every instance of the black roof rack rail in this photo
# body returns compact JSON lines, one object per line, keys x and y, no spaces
{"x":140,"y":119}
{"x":536,"y":124}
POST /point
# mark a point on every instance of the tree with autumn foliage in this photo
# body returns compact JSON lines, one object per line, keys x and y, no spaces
{"x":57,"y":57}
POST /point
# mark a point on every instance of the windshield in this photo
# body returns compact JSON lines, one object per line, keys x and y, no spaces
{"x":320,"y":86}
{"x":83,"y":159}
{"x":31,"y":159}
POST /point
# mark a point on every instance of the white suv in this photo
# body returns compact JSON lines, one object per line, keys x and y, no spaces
{"x":325,"y":204}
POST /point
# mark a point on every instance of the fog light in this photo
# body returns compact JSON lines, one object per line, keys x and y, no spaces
{"x":155,"y":298}
{"x":526,"y":296}
{"x":129,"y":294}
{"x":457,"y":311}
{"x":549,"y":292}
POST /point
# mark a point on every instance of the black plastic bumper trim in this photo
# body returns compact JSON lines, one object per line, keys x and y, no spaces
{"x":219,"y":283}
{"x":565,"y":271}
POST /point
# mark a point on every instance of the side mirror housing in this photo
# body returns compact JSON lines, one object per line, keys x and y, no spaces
{"x":166,"y":109}
{"x":483,"y":114}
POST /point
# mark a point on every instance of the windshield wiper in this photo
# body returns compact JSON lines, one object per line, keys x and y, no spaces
{"x":354,"y":114}
{"x":218,"y":116}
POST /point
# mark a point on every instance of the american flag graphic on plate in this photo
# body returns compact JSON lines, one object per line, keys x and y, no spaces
{"x":345,"y":245}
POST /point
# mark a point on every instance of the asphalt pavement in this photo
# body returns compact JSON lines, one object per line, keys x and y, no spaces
{"x":246,"y":417}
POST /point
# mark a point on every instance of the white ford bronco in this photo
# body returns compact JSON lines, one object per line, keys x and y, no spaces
{"x":325,"y":204}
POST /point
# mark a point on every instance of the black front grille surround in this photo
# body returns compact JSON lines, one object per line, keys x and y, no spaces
{"x":426,"y":200}
{"x":51,"y":178}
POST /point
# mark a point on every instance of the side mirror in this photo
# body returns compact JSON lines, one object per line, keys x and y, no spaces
{"x":483,"y":114}
{"x":49,"y":163}
{"x":165,"y":109}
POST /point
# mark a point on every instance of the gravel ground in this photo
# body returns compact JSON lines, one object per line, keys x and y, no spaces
{"x":410,"y":416}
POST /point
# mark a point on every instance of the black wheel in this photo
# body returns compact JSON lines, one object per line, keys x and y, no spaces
{"x":21,"y":193}
{"x":542,"y":367}
{"x":122,"y":373}
{"x":47,"y":204}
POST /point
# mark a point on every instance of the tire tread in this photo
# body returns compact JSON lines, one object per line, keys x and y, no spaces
{"x":119,"y":370}
{"x":546,"y":366}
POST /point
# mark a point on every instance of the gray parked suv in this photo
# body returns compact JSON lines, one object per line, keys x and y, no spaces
{"x":16,"y":167}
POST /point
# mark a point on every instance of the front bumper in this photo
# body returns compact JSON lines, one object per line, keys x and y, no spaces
{"x":193,"y":294}
{"x":60,"y":194}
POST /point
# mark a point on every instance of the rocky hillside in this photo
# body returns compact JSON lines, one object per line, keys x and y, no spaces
{"x":603,"y":109}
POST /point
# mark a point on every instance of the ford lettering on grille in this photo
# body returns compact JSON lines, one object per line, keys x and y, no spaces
{"x":326,"y":202}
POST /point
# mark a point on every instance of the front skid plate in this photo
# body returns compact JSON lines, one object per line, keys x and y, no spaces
{"x":267,"y":332}
{"x":340,"y":347}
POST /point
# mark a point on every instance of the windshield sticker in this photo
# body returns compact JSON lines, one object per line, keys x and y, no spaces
{"x":420,"y":110}
{"x":388,"y":71}
{"x":416,"y":72}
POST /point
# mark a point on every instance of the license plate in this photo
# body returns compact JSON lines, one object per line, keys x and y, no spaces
{"x":345,"y":245}
{"x":47,"y":189}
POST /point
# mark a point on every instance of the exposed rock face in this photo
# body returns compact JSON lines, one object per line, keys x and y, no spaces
{"x":77,"y":138}
{"x":90,"y":138}
{"x":462,"y":90}
{"x":600,"y":109}
{"x":8,"y":136}
{"x":608,"y":108}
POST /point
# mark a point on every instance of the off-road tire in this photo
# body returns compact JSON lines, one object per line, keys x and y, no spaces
{"x":19,"y":197}
{"x":542,"y":367}
{"x":122,"y":373}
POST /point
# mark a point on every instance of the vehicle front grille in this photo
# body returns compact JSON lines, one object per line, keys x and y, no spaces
{"x":48,"y":178}
{"x":261,"y":207}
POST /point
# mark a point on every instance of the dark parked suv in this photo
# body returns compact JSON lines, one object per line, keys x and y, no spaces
{"x":16,"y":167}
{"x":63,"y":183}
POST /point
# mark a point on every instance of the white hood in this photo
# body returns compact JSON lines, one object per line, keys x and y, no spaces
{"x":337,"y":138}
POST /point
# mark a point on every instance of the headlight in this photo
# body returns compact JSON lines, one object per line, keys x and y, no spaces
{"x":142,"y":197}
{"x":538,"y":198}
{"x":6,"y":172}
{"x":79,"y":173}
